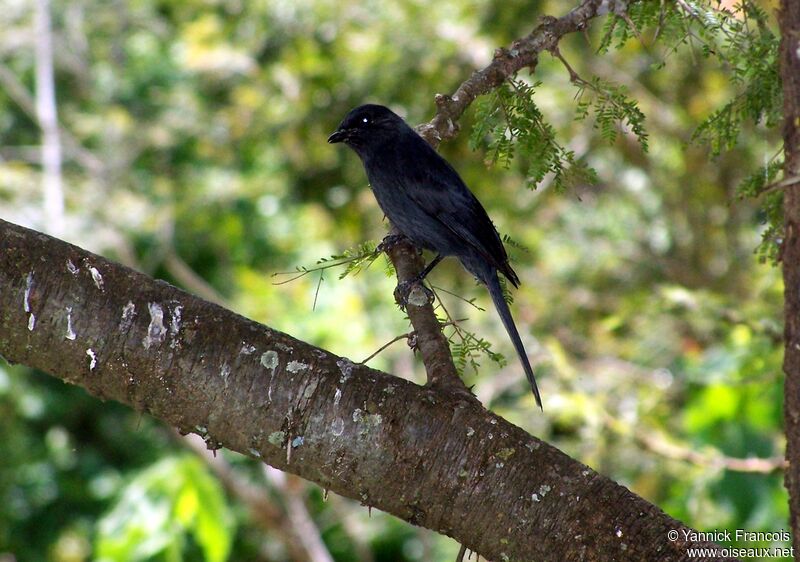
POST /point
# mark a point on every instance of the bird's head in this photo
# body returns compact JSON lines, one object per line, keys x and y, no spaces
{"x":367,"y":125}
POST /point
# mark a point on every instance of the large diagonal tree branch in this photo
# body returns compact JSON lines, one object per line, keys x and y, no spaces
{"x":435,"y":460}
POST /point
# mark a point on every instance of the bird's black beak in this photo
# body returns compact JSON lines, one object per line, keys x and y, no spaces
{"x":339,"y":136}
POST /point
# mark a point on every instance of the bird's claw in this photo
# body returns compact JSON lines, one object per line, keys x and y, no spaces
{"x":388,"y":241}
{"x":413,"y":292}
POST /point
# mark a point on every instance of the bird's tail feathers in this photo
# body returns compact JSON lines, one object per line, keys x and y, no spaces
{"x":496,"y":292}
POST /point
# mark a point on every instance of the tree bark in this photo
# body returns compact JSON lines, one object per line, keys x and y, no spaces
{"x":428,"y":337}
{"x":430,"y":457}
{"x":789,"y":20}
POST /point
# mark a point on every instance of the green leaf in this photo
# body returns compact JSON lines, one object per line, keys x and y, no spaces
{"x":612,"y":108}
{"x":174,"y":498}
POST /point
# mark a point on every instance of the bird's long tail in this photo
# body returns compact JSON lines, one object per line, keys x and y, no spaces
{"x":496,"y":292}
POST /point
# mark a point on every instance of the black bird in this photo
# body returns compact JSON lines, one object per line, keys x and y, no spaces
{"x":425,"y":198}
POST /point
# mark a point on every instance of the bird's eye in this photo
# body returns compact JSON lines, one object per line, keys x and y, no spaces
{"x":365,"y":120}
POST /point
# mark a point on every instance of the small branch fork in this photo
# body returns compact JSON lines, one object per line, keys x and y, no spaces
{"x":430,"y":340}
{"x":410,"y":336}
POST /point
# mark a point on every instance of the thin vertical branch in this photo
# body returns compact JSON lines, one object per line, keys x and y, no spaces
{"x":298,"y":514}
{"x":47,"y":116}
{"x":789,"y":21}
{"x":72,"y":147}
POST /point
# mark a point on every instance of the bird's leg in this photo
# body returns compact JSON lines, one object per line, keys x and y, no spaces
{"x":428,"y":268}
{"x":403,"y":290}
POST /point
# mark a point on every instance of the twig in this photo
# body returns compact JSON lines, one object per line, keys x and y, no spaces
{"x":778,"y":185}
{"x":574,"y":77}
{"x":397,"y":339}
{"x":606,"y":40}
{"x":661,"y":446}
{"x":392,"y":341}
{"x":470,"y":302}
{"x":316,"y":293}
{"x":690,"y":35}
{"x":660,"y":25}
{"x":450,"y":319}
{"x":189,"y":278}
{"x":632,"y":25}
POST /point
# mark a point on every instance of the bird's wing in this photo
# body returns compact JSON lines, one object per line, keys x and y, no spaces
{"x":439,"y":191}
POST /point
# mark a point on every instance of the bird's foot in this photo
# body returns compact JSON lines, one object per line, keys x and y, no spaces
{"x":389,"y":241}
{"x":413,"y":292}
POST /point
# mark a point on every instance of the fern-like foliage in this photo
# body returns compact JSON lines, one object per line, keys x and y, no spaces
{"x":358,"y":258}
{"x":742,"y":41}
{"x":739,"y":37}
{"x":612,"y":107}
{"x":353,"y":260}
{"x":510,"y":122}
{"x":762,"y":183}
{"x":516,"y":244}
{"x":468,"y":349}
{"x":757,"y":183}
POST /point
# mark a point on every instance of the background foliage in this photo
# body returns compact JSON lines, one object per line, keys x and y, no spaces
{"x":201,"y":124}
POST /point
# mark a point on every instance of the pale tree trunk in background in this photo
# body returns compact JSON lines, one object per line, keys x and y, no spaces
{"x":47,"y":116}
{"x":292,"y":489}
{"x":789,"y":18}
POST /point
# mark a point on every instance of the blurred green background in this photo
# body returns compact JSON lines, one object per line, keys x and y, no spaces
{"x":193,"y":138}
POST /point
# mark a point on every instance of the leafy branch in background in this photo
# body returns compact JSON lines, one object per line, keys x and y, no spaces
{"x":508,"y":122}
{"x":739,"y":37}
{"x":617,"y":30}
{"x":611,"y":106}
{"x":741,"y":40}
